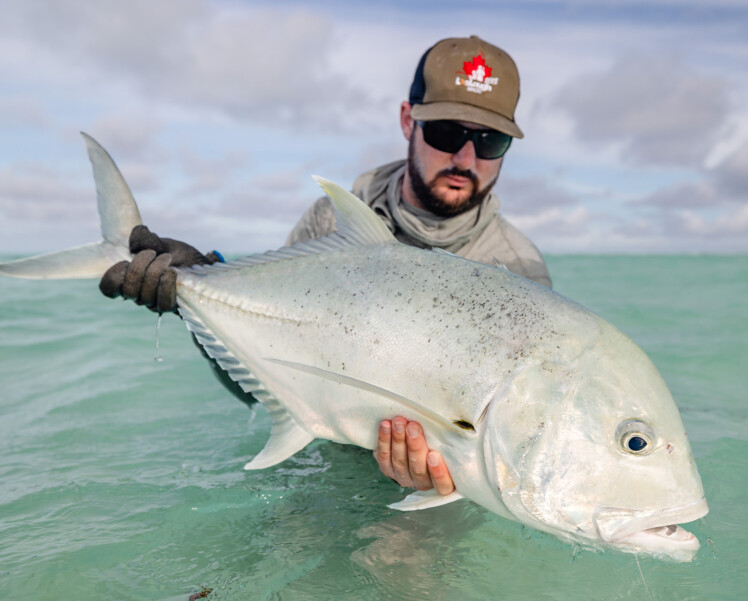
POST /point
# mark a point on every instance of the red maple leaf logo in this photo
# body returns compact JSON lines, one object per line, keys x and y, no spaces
{"x":470,"y":67}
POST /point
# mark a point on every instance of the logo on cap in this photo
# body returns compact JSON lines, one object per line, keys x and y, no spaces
{"x":478,"y":73}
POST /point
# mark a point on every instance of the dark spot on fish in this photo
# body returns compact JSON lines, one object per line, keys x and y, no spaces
{"x":465,"y":425}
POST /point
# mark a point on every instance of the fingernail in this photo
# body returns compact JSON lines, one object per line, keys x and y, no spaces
{"x":413,"y":431}
{"x":384,"y":427}
{"x":433,"y":459}
{"x":399,"y":427}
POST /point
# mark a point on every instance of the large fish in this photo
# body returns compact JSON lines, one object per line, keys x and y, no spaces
{"x":544,"y":412}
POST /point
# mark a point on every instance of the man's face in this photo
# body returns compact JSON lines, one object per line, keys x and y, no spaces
{"x":447,"y":183}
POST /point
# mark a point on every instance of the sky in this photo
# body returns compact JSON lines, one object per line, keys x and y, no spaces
{"x":218,"y":112}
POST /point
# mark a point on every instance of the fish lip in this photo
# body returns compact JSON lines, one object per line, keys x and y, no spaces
{"x":616,"y":524}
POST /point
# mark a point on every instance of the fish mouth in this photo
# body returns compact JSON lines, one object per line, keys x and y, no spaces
{"x":654,"y":531}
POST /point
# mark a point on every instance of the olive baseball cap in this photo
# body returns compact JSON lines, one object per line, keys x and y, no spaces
{"x":467,"y":79}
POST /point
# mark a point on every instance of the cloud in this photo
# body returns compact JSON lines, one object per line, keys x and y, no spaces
{"x":39,"y":204}
{"x":207,"y":175}
{"x":552,"y":217}
{"x":682,"y":195}
{"x":531,"y":195}
{"x":554,"y":223}
{"x":33,"y":191}
{"x":130,"y":133}
{"x":732,"y":225}
{"x":244,"y":63}
{"x":655,"y":109}
{"x":732,"y":175}
{"x":722,"y":186}
{"x":18,"y":110}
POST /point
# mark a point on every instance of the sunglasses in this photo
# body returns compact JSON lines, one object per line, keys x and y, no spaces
{"x":450,"y":136}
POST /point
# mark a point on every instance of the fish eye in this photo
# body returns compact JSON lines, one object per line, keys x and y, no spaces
{"x":635,"y":437}
{"x":636,"y":444}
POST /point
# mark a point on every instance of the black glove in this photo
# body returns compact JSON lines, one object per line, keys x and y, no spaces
{"x":150,"y":279}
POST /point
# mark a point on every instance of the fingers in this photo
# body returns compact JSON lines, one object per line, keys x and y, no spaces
{"x":403,"y":455}
{"x":148,"y":279}
{"x":417,"y":453}
{"x":383,"y":453}
{"x":141,"y":238}
{"x":399,"y":451}
{"x":111,"y":282}
{"x":182,"y":254}
{"x":439,"y":474}
{"x":149,"y":290}
{"x":136,"y":273}
{"x":167,"y":291}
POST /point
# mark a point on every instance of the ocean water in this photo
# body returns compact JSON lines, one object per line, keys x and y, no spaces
{"x":121,"y":464}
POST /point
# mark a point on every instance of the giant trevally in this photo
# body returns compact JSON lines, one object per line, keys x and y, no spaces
{"x":544,"y":412}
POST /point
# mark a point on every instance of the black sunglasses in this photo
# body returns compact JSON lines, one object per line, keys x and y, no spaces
{"x":450,"y":136}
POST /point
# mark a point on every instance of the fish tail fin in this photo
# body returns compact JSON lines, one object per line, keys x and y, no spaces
{"x":118,"y":214}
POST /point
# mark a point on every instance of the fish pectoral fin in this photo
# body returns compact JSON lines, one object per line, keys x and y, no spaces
{"x":286,"y":439}
{"x":332,"y":376}
{"x":424,"y":499}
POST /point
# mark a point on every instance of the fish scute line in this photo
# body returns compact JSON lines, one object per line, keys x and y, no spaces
{"x":232,"y":302}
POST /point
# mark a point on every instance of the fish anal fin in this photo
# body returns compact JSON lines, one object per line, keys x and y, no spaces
{"x":286,"y":439}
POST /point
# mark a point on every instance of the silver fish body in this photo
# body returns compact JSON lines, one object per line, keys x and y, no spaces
{"x":523,"y":391}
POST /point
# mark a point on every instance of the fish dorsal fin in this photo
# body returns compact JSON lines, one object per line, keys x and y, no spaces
{"x":357,"y":225}
{"x":286,"y":437}
{"x":356,"y":222}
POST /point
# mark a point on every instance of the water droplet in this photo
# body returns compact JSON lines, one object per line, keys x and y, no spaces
{"x":158,"y":358}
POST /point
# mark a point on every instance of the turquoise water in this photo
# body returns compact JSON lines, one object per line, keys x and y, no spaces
{"x":121,"y":475}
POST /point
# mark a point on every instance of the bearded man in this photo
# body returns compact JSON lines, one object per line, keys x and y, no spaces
{"x":459,"y":123}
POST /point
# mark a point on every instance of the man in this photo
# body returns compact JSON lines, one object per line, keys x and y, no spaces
{"x":459,"y":122}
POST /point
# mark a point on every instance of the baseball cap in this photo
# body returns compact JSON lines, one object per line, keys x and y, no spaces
{"x":467,"y":79}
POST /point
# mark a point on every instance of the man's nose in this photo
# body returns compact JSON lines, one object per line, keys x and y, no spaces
{"x":465,"y":157}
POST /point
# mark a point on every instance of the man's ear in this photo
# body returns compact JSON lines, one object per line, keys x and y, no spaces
{"x":406,"y":119}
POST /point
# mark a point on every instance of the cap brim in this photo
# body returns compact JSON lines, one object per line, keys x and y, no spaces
{"x":455,"y":111}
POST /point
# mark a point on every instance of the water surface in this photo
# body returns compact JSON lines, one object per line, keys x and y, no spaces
{"x":121,"y":476}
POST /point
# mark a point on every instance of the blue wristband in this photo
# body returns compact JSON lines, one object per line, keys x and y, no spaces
{"x":219,"y":255}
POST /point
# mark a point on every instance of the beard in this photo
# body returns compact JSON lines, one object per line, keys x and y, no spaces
{"x":425,"y":191}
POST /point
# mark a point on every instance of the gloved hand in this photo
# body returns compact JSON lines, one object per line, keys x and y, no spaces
{"x":150,"y":278}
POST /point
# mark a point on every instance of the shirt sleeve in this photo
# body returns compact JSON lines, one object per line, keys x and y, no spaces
{"x":527,"y":260}
{"x":501,"y":242}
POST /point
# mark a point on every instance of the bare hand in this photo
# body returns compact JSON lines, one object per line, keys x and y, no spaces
{"x":404,"y":456}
